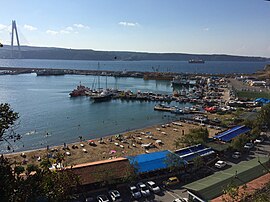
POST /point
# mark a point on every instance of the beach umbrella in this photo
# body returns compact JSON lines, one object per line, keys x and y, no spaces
{"x":112,"y":151}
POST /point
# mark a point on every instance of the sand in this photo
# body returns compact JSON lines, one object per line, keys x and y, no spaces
{"x":112,"y":147}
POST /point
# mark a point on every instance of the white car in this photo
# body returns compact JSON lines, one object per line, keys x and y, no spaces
{"x":143,"y":188}
{"x":249,"y":145}
{"x":102,"y":198}
{"x":153,"y":186}
{"x":259,"y":140}
{"x":220,"y":164}
{"x":135,"y":192}
{"x":236,"y":155}
{"x":115,"y":195}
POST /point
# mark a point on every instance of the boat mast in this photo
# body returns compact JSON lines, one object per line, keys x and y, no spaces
{"x":106,"y":82}
{"x":98,"y":79}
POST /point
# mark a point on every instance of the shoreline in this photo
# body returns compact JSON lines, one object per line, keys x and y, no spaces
{"x":95,"y":138}
{"x":21,"y":150}
{"x":132,"y":143}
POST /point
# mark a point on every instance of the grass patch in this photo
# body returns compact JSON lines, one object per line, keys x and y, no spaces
{"x":252,"y":94}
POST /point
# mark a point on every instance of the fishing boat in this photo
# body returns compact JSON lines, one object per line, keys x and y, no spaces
{"x":81,"y":90}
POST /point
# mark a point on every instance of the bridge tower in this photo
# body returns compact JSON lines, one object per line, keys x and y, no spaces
{"x":14,"y":29}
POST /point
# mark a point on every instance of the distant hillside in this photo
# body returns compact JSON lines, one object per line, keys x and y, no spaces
{"x":29,"y":52}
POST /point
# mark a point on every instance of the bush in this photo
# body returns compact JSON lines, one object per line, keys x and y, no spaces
{"x":19,"y":169}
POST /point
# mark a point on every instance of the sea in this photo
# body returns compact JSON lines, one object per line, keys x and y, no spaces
{"x":49,"y":116}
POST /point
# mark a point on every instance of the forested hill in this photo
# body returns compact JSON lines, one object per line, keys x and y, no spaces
{"x":29,"y":52}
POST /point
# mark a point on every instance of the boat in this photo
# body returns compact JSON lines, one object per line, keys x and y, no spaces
{"x":102,"y":96}
{"x":81,"y":90}
{"x":196,"y":61}
{"x":183,"y":81}
{"x":177,"y":111}
{"x":51,"y":72}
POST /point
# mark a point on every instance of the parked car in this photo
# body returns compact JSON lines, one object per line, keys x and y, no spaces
{"x":143,"y":188}
{"x":249,"y":145}
{"x":89,"y":199}
{"x":102,"y":198}
{"x":115,"y":195}
{"x":171,"y":181}
{"x":259,"y":140}
{"x":220,"y":164}
{"x":153,"y":187}
{"x":236,"y":155}
{"x":135,"y":192}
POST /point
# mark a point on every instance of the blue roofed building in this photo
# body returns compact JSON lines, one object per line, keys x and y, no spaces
{"x":189,"y":153}
{"x":145,"y":163}
{"x":228,"y":135}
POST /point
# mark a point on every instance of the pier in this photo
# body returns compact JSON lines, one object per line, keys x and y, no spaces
{"x":136,"y":74}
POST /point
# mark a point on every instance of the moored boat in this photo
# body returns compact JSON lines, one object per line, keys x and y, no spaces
{"x":81,"y":90}
{"x":102,"y":96}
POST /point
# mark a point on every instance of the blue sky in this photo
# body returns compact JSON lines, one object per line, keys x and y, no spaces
{"x":239,"y":27}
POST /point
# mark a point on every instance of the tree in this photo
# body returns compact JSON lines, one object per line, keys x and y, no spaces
{"x":232,"y":192}
{"x":174,"y":162}
{"x":239,"y":142}
{"x":7,"y":119}
{"x":198,"y":162}
{"x":195,"y":136}
{"x":7,"y":179}
{"x":263,"y":120}
{"x":38,"y":181}
{"x":41,"y":183}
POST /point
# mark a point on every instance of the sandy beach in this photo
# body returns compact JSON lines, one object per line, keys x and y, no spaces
{"x":161,"y":137}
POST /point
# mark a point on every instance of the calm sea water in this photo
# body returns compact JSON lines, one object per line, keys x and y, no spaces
{"x":213,"y":67}
{"x":45,"y":107}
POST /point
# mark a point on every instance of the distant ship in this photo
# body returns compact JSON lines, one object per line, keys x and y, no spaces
{"x":50,"y":72}
{"x":196,"y":61}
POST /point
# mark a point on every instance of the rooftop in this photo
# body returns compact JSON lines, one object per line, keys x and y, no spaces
{"x":150,"y":162}
{"x":228,"y":135}
{"x":98,"y":171}
{"x":213,"y":185}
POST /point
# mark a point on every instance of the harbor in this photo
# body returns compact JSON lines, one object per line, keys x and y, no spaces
{"x":130,"y":104}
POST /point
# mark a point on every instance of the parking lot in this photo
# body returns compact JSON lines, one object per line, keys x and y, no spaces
{"x":166,"y":193}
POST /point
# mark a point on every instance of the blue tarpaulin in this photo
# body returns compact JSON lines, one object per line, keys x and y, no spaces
{"x":232,"y":133}
{"x":144,"y":163}
{"x":262,"y":100}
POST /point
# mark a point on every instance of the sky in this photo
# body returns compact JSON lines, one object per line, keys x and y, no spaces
{"x":237,"y":27}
